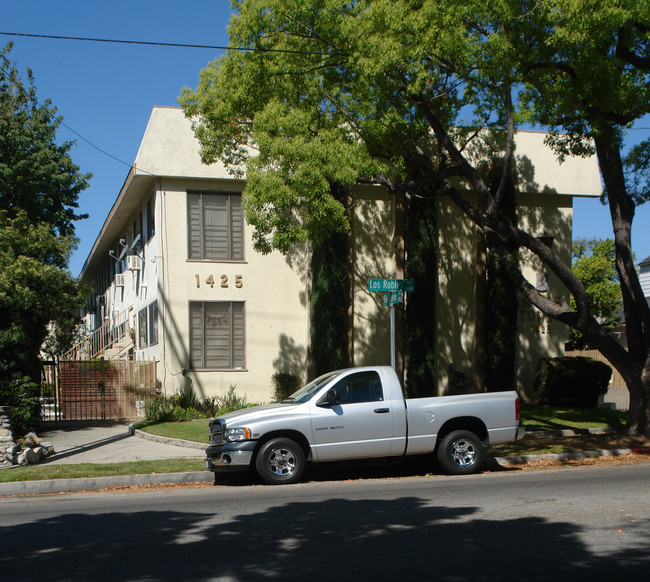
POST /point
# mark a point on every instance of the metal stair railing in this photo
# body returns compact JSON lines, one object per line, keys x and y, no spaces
{"x":102,"y":339}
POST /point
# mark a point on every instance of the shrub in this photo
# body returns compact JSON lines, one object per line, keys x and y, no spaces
{"x":23,"y":396}
{"x":209,"y":405}
{"x":232,"y":401}
{"x":284,"y":385}
{"x":568,"y":381}
{"x":159,"y":410}
{"x":185,"y":397}
{"x":228,"y":402}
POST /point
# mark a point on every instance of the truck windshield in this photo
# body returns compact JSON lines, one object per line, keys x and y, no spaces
{"x":306,"y":392}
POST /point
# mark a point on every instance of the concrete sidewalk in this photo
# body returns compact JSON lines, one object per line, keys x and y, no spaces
{"x":109,"y":443}
{"x":112,"y":443}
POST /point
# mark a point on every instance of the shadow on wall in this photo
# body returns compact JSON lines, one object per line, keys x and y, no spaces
{"x":291,"y":358}
{"x":172,"y":334}
{"x":373,"y":251}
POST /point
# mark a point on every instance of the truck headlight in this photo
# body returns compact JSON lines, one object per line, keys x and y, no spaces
{"x":238,"y":434}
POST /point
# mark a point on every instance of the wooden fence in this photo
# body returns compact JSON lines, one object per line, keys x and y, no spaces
{"x":99,"y":389}
{"x":617,"y":393}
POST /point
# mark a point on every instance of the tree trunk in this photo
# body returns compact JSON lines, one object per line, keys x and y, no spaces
{"x":635,"y":305}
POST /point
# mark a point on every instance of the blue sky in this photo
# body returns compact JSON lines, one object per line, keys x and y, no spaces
{"x":105,"y":92}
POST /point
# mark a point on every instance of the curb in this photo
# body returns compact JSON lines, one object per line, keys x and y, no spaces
{"x":570,"y":432}
{"x":167,"y":440}
{"x":523,"y":459}
{"x":93,"y":483}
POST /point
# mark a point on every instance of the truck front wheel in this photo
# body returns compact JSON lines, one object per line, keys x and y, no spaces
{"x":461,"y":452}
{"x":280,"y":461}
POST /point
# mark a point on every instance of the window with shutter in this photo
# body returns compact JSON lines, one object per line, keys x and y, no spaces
{"x":217,"y":335}
{"x":215,"y":227}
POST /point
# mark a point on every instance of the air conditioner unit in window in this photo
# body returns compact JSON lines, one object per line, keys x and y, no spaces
{"x":133,"y":263}
{"x":119,"y":280}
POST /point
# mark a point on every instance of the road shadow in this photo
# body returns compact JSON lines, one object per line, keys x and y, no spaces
{"x":336,"y":539}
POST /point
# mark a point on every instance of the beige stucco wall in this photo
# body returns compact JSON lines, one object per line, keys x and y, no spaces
{"x":539,"y":336}
{"x":372,"y":234}
{"x":273,"y":291}
{"x":456,"y":302}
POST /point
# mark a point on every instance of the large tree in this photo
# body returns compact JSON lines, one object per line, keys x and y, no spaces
{"x":39,"y":189}
{"x":405,"y":94}
{"x":37,"y":174}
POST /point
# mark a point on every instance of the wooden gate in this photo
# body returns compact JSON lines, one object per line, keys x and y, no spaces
{"x":99,"y":390}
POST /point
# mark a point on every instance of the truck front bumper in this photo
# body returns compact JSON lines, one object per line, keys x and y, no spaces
{"x":230,"y":456}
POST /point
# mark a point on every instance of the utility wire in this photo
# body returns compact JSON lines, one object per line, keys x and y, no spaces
{"x":90,"y":143}
{"x":168,"y":44}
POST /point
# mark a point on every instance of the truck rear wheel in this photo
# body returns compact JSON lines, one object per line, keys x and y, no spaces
{"x":280,"y":461}
{"x":461,"y":452}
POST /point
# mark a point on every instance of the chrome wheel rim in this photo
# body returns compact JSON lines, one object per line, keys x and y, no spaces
{"x":282,"y":462}
{"x":463,"y":452}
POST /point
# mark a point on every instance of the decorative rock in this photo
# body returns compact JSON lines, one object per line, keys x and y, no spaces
{"x":31,"y":456}
{"x":30,"y":439}
{"x":48,"y":449}
{"x":10,"y":453}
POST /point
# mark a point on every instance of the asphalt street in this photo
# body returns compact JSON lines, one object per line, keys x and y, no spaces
{"x":570,"y":524}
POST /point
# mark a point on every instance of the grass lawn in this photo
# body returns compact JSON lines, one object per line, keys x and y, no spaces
{"x":540,"y":417}
{"x":192,"y":430}
{"x":78,"y":470}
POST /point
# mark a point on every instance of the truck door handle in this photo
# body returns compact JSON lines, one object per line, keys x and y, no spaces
{"x":382,"y":410}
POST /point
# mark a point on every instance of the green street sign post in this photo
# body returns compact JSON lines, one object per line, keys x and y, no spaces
{"x":386,"y":285}
{"x":392,"y":297}
{"x":392,"y":289}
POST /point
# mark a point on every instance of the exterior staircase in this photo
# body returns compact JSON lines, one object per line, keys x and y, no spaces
{"x":112,"y":341}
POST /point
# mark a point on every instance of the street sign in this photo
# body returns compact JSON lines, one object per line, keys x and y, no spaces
{"x":392,"y":297}
{"x":386,"y":285}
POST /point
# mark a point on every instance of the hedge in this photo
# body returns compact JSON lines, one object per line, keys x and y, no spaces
{"x":568,"y":381}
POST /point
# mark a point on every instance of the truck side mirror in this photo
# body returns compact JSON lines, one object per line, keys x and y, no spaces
{"x":332,"y":397}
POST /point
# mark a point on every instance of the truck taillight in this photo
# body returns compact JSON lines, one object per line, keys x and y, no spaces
{"x":517,"y":408}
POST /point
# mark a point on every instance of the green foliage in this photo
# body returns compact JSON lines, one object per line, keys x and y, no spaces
{"x":412,"y":96}
{"x":594,"y":263}
{"x":23,"y":395}
{"x":329,"y":303}
{"x":184,"y":405}
{"x":571,"y":381}
{"x":159,"y":410}
{"x":35,"y":290}
{"x":185,"y":397}
{"x":637,"y":172}
{"x":421,"y":266}
{"x":284,"y":385}
{"x":230,"y":401}
{"x":37,"y":175}
{"x":39,"y":188}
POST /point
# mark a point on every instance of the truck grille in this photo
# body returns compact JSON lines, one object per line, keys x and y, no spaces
{"x":216,"y":432}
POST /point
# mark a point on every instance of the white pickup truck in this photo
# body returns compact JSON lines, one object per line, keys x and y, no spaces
{"x":360,"y":413}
